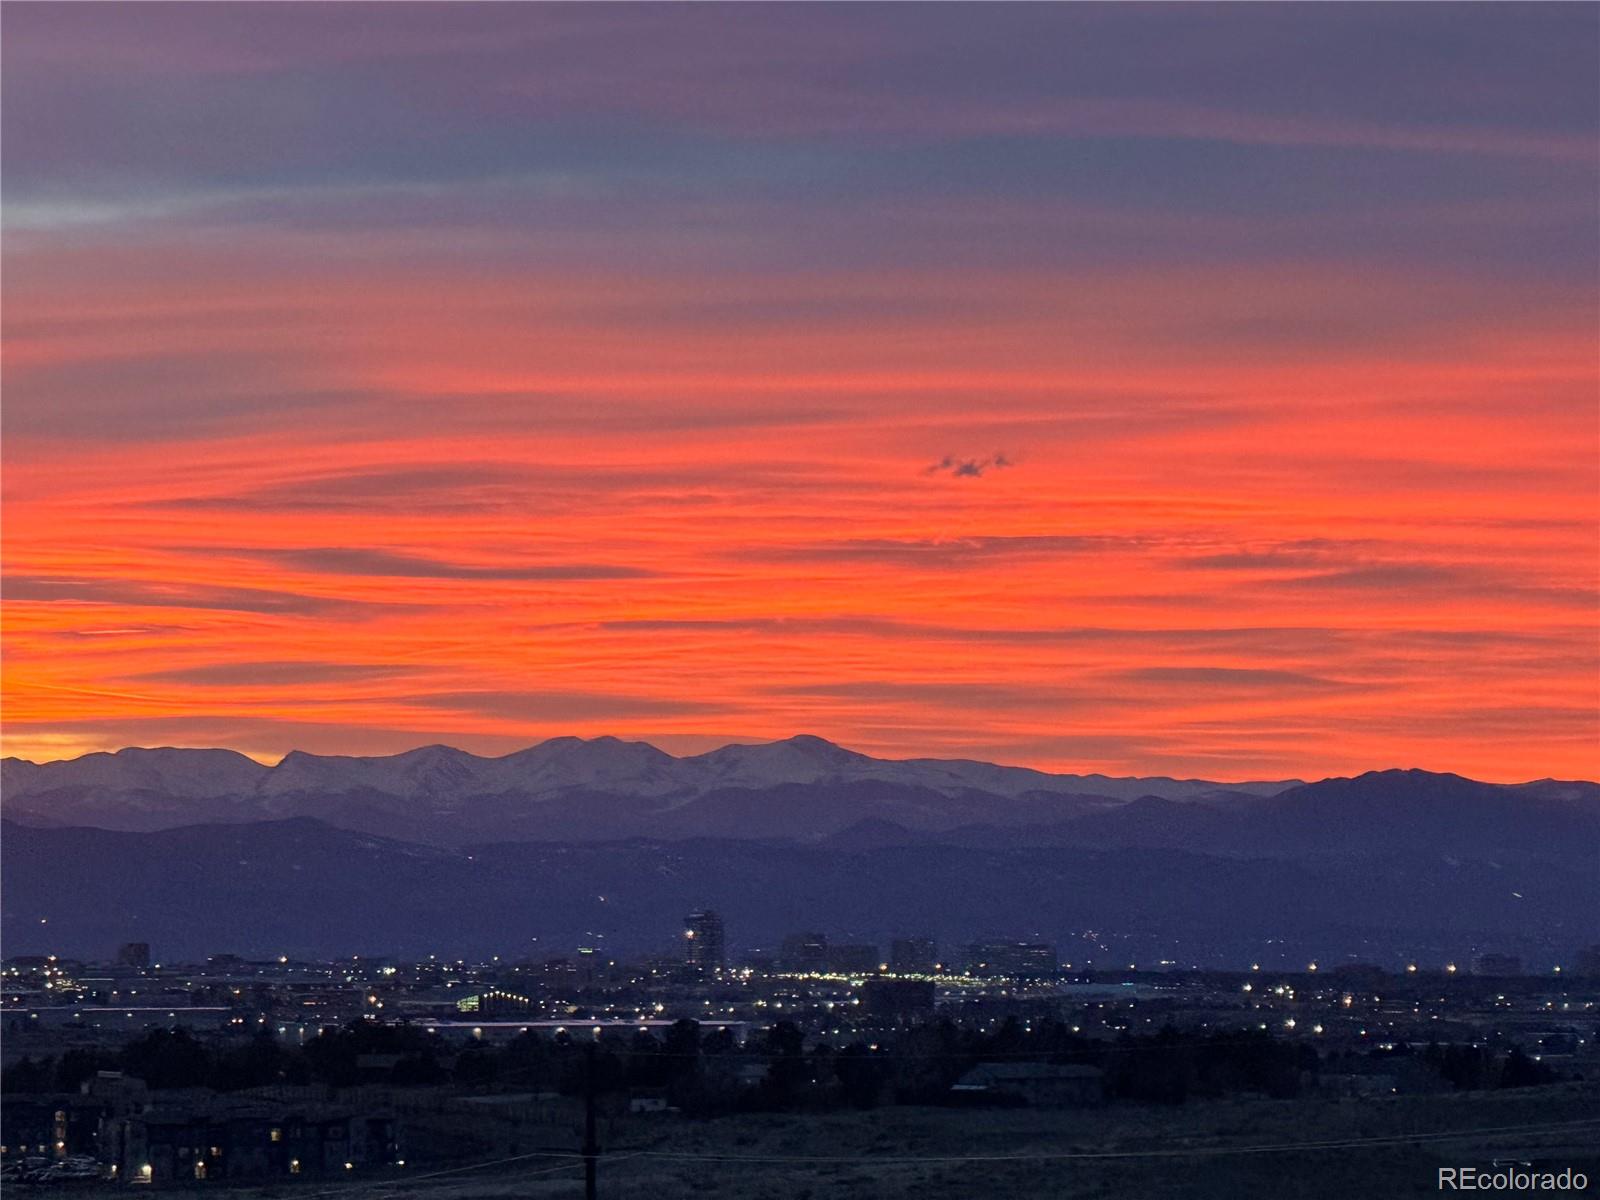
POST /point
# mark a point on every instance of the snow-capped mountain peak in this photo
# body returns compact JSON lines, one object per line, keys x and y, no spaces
{"x":804,"y":758}
{"x":442,"y":793}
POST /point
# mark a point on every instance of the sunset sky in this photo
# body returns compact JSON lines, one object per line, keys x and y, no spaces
{"x":1181,"y":390}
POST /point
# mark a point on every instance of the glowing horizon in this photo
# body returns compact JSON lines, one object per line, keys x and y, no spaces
{"x":1037,"y":386}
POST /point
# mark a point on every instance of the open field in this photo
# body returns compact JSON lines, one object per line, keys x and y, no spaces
{"x":1221,"y":1149}
{"x":890,"y":1154}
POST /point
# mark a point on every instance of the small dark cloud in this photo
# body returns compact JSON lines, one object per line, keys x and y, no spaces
{"x":968,"y":468}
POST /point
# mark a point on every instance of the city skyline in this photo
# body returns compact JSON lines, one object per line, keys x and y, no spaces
{"x":1198,"y":391}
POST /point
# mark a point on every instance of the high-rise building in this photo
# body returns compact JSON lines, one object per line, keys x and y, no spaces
{"x":134,"y":954}
{"x":1011,"y":958}
{"x":804,"y":952}
{"x":703,"y":940}
{"x":913,"y":955}
{"x":855,"y":959}
{"x":1496,"y":966}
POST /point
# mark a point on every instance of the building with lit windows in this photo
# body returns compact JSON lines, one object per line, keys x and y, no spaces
{"x":1011,"y":958}
{"x":806,"y":952}
{"x":223,"y":1138}
{"x":703,"y":942}
{"x":494,"y":1002}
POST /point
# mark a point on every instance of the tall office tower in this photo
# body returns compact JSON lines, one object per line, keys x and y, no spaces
{"x":703,"y":940}
{"x":913,"y":955}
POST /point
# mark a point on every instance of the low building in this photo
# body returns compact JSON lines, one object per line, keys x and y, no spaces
{"x":495,"y":1002}
{"x":648,"y":1100}
{"x":52,"y":1126}
{"x":222,"y":1138}
{"x":1043,"y":1085}
{"x":120,"y":1020}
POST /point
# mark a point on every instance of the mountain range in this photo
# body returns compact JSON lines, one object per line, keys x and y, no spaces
{"x":803,"y":788}
{"x":575,"y":841}
{"x":570,"y":788}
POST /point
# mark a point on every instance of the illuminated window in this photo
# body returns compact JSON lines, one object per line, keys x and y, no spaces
{"x":277,"y":1135}
{"x":294,"y":1166}
{"x":199,"y":1169}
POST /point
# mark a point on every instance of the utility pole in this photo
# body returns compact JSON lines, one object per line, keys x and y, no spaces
{"x":591,"y":1148}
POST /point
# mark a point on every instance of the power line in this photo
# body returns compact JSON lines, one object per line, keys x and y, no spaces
{"x":497,"y":1162}
{"x":380,"y":1185}
{"x":1198,"y":1151}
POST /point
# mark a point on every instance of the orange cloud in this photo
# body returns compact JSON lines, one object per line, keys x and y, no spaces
{"x":1278,"y":522}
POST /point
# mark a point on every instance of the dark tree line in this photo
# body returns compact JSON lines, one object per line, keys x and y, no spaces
{"x":1471,"y":1068}
{"x":705,"y":1073}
